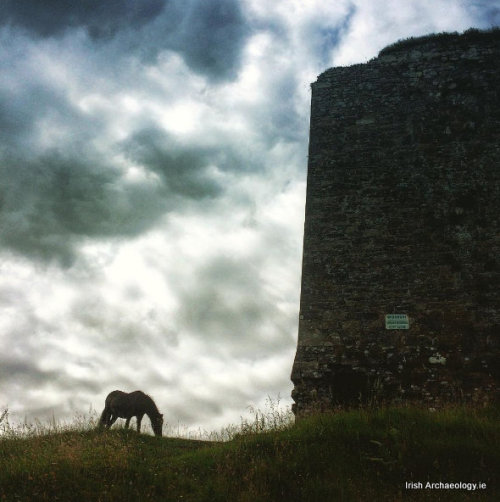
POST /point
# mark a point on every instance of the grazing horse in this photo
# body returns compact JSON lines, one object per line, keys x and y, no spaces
{"x":135,"y":404}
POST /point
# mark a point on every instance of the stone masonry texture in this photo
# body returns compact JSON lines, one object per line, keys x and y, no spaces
{"x":403,"y":217}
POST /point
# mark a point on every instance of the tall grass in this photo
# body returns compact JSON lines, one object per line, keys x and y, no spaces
{"x":273,"y":417}
{"x":80,"y":422}
{"x":364,"y":454}
{"x":466,"y":38}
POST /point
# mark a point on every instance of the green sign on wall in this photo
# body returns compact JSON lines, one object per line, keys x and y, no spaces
{"x":397,"y":321}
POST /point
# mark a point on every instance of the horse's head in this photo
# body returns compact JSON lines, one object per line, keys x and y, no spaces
{"x":157,"y":425}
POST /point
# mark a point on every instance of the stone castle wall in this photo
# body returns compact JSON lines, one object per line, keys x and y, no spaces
{"x":403,"y":217}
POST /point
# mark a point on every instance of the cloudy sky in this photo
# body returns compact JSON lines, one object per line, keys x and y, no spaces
{"x":153,"y":159}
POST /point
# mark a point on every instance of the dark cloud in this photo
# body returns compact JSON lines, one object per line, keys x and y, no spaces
{"x":20,"y":107}
{"x":48,"y":203}
{"x":327,"y":38}
{"x":209,"y":35}
{"x":101,"y":19}
{"x":485,"y":12}
{"x":52,"y":198}
{"x":491,"y":17}
{"x":229,"y":306}
{"x":194,"y":408}
{"x":285,"y":123}
{"x":183,"y":170}
{"x":25,"y":373}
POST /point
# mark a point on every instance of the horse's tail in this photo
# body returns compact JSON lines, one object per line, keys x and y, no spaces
{"x":103,"y":421}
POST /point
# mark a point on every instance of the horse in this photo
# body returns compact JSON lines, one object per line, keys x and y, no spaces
{"x":127,"y":405}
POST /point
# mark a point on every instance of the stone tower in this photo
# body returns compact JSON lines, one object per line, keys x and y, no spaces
{"x":400,"y":291}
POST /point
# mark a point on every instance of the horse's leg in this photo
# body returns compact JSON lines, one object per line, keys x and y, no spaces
{"x":139,"y":420}
{"x":127,"y":422}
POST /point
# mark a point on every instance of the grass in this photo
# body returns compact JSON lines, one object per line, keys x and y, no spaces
{"x":467,"y":37}
{"x":356,"y":455}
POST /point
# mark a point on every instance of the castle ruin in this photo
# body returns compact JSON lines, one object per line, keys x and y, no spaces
{"x":400,"y":296}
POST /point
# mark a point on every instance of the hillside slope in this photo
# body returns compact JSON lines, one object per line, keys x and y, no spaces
{"x":356,"y":455}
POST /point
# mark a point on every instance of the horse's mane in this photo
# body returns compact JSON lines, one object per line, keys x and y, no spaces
{"x":150,"y":401}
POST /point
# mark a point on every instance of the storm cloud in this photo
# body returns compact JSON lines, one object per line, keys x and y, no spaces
{"x":209,"y":35}
{"x":50,"y":203}
{"x":101,"y":19}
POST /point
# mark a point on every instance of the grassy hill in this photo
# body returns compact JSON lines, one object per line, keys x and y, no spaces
{"x":360,"y":455}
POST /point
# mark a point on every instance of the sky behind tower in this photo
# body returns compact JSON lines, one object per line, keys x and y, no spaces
{"x":153,"y":160}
